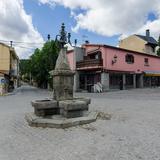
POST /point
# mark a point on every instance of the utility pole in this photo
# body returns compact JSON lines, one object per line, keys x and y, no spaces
{"x":11,"y":43}
{"x":75,"y":42}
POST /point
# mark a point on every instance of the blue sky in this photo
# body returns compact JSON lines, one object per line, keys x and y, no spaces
{"x":48,"y":21}
{"x":98,"y":21}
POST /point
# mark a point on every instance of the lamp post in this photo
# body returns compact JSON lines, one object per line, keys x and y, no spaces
{"x":63,"y":77}
{"x":114,"y":59}
{"x":63,"y":38}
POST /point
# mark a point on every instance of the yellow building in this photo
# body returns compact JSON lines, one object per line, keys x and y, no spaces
{"x":139,"y":43}
{"x":9,"y":67}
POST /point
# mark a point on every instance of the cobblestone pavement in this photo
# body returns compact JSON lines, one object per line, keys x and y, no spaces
{"x":133,"y":133}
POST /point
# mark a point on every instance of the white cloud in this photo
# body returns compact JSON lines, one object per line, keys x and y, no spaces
{"x":113,"y":17}
{"x":16,"y":25}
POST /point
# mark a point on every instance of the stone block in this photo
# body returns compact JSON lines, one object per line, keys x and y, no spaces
{"x":46,"y":103}
{"x":36,"y":121}
{"x":63,"y":84}
{"x":45,"y":107}
{"x":72,"y":114}
{"x":70,"y":105}
{"x":87,"y":100}
{"x":72,"y":108}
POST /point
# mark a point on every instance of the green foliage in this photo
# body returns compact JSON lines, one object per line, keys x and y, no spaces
{"x":158,"y":51}
{"x":41,"y":63}
{"x":24,"y":67}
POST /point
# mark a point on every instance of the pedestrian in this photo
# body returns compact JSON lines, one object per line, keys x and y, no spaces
{"x":121,"y":84}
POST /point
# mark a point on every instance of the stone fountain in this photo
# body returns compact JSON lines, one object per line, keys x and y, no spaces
{"x":64,"y":110}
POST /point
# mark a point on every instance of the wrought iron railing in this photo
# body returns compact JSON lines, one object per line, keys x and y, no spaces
{"x":89,"y":63}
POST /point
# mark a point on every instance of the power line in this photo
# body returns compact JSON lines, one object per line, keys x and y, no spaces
{"x":25,"y":47}
{"x":5,"y":41}
{"x":21,"y":42}
{"x":29,"y":42}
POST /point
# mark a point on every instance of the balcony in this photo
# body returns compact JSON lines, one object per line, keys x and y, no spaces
{"x":90,"y":63}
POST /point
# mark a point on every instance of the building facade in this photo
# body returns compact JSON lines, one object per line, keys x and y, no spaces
{"x":9,"y":68}
{"x":140,"y":43}
{"x":104,"y":67}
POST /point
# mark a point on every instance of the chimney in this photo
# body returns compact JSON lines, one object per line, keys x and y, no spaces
{"x":147,"y":33}
{"x":86,"y":42}
{"x":48,"y":37}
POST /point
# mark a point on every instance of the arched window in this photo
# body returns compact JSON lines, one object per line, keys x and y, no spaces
{"x":129,"y":58}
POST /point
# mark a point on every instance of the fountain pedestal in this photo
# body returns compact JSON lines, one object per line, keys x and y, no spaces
{"x":63,"y":81}
{"x":63,"y":78}
{"x":63,"y":85}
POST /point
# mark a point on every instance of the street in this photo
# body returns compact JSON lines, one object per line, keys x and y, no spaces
{"x":133,"y":133}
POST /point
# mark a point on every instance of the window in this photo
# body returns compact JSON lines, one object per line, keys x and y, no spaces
{"x":146,"y":62}
{"x":92,"y":56}
{"x":96,"y":55}
{"x":129,"y":58}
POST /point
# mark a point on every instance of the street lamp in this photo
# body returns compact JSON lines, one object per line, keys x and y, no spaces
{"x":114,"y":59}
{"x":63,"y":38}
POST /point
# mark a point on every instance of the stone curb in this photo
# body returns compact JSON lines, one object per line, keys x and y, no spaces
{"x":35,"y":121}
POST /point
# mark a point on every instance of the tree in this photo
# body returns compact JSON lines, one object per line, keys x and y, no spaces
{"x":42,"y":62}
{"x":24,"y":67}
{"x":158,"y":51}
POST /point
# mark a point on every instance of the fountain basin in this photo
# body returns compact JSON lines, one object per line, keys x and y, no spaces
{"x":73,"y":108}
{"x":45,"y":107}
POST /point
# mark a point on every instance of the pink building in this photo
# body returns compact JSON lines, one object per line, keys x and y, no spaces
{"x":113,"y":68}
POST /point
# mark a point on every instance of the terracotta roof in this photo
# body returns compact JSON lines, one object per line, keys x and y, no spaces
{"x":121,"y":49}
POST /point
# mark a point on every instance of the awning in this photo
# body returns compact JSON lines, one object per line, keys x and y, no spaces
{"x":152,"y":73}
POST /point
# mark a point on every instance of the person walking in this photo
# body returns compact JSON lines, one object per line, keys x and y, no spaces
{"x":121,"y":84}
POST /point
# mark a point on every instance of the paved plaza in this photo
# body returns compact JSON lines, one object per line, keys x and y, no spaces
{"x":133,"y":133}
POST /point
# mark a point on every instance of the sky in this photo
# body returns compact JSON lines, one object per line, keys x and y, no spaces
{"x":28,"y":22}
